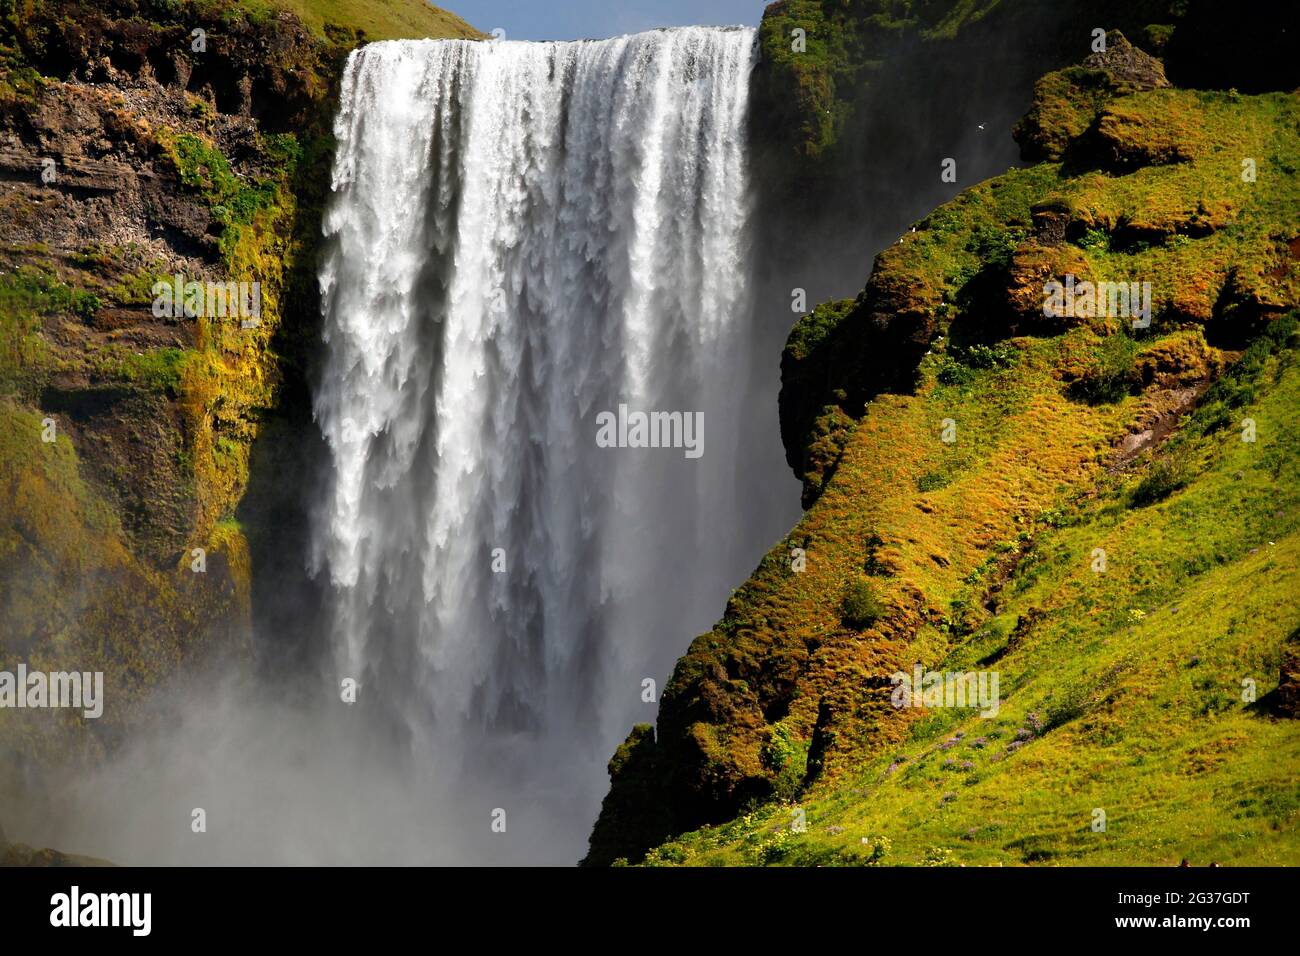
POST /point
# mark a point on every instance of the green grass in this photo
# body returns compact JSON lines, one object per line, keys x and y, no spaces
{"x":158,"y":370}
{"x":1112,"y":375}
{"x":379,"y":19}
{"x":1126,"y":697}
{"x":983,"y":495}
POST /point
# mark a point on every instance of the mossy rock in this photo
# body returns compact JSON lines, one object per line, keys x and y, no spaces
{"x":1067,"y":103}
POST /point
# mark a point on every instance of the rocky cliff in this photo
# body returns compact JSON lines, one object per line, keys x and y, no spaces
{"x":1071,"y":499}
{"x":152,"y":461}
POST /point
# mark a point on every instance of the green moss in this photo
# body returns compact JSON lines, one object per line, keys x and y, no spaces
{"x":234,"y":203}
{"x":158,"y":370}
{"x":34,"y":290}
{"x":135,"y":288}
{"x":813,"y":329}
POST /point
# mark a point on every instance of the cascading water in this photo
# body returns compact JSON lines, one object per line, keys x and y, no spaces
{"x":521,"y":237}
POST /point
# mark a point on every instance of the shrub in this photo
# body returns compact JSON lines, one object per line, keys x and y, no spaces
{"x":1112,"y":376}
{"x":938,"y":856}
{"x":861,"y":606}
{"x":994,"y":245}
{"x":879,"y":846}
{"x":933,"y":481}
{"x":1073,"y":703}
{"x":1166,"y":475}
{"x":85,"y":304}
{"x":958,"y":367}
{"x":1095,"y":240}
{"x":787,"y":757}
{"x":952,"y":372}
{"x":775,"y":848}
{"x":1002,"y":355}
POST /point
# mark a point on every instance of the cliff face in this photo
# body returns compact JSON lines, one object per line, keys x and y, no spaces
{"x":848,"y":135}
{"x":966,"y":458}
{"x":153,"y":464}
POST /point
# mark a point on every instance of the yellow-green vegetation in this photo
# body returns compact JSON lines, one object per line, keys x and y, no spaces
{"x":1213,"y":246}
{"x":217,"y":377}
{"x":1129,"y":691}
{"x":333,"y":19}
{"x":234,"y":203}
{"x":232,"y":373}
{"x":821,"y":59}
{"x":76,"y":596}
{"x":119,"y":549}
{"x":225,"y":373}
{"x":1065,"y":500}
{"x":377,"y":19}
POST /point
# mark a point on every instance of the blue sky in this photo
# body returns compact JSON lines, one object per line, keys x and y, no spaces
{"x":580,"y":19}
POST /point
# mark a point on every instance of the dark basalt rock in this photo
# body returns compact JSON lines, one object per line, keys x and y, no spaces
{"x":270,"y":70}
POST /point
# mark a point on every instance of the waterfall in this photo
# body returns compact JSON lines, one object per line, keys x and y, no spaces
{"x":522,"y":237}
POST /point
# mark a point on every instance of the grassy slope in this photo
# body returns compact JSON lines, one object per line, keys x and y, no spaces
{"x":379,"y":19}
{"x":1128,"y":694}
{"x":1136,"y":707}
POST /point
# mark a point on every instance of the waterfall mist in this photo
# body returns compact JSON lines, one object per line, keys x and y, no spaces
{"x":520,"y":237}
